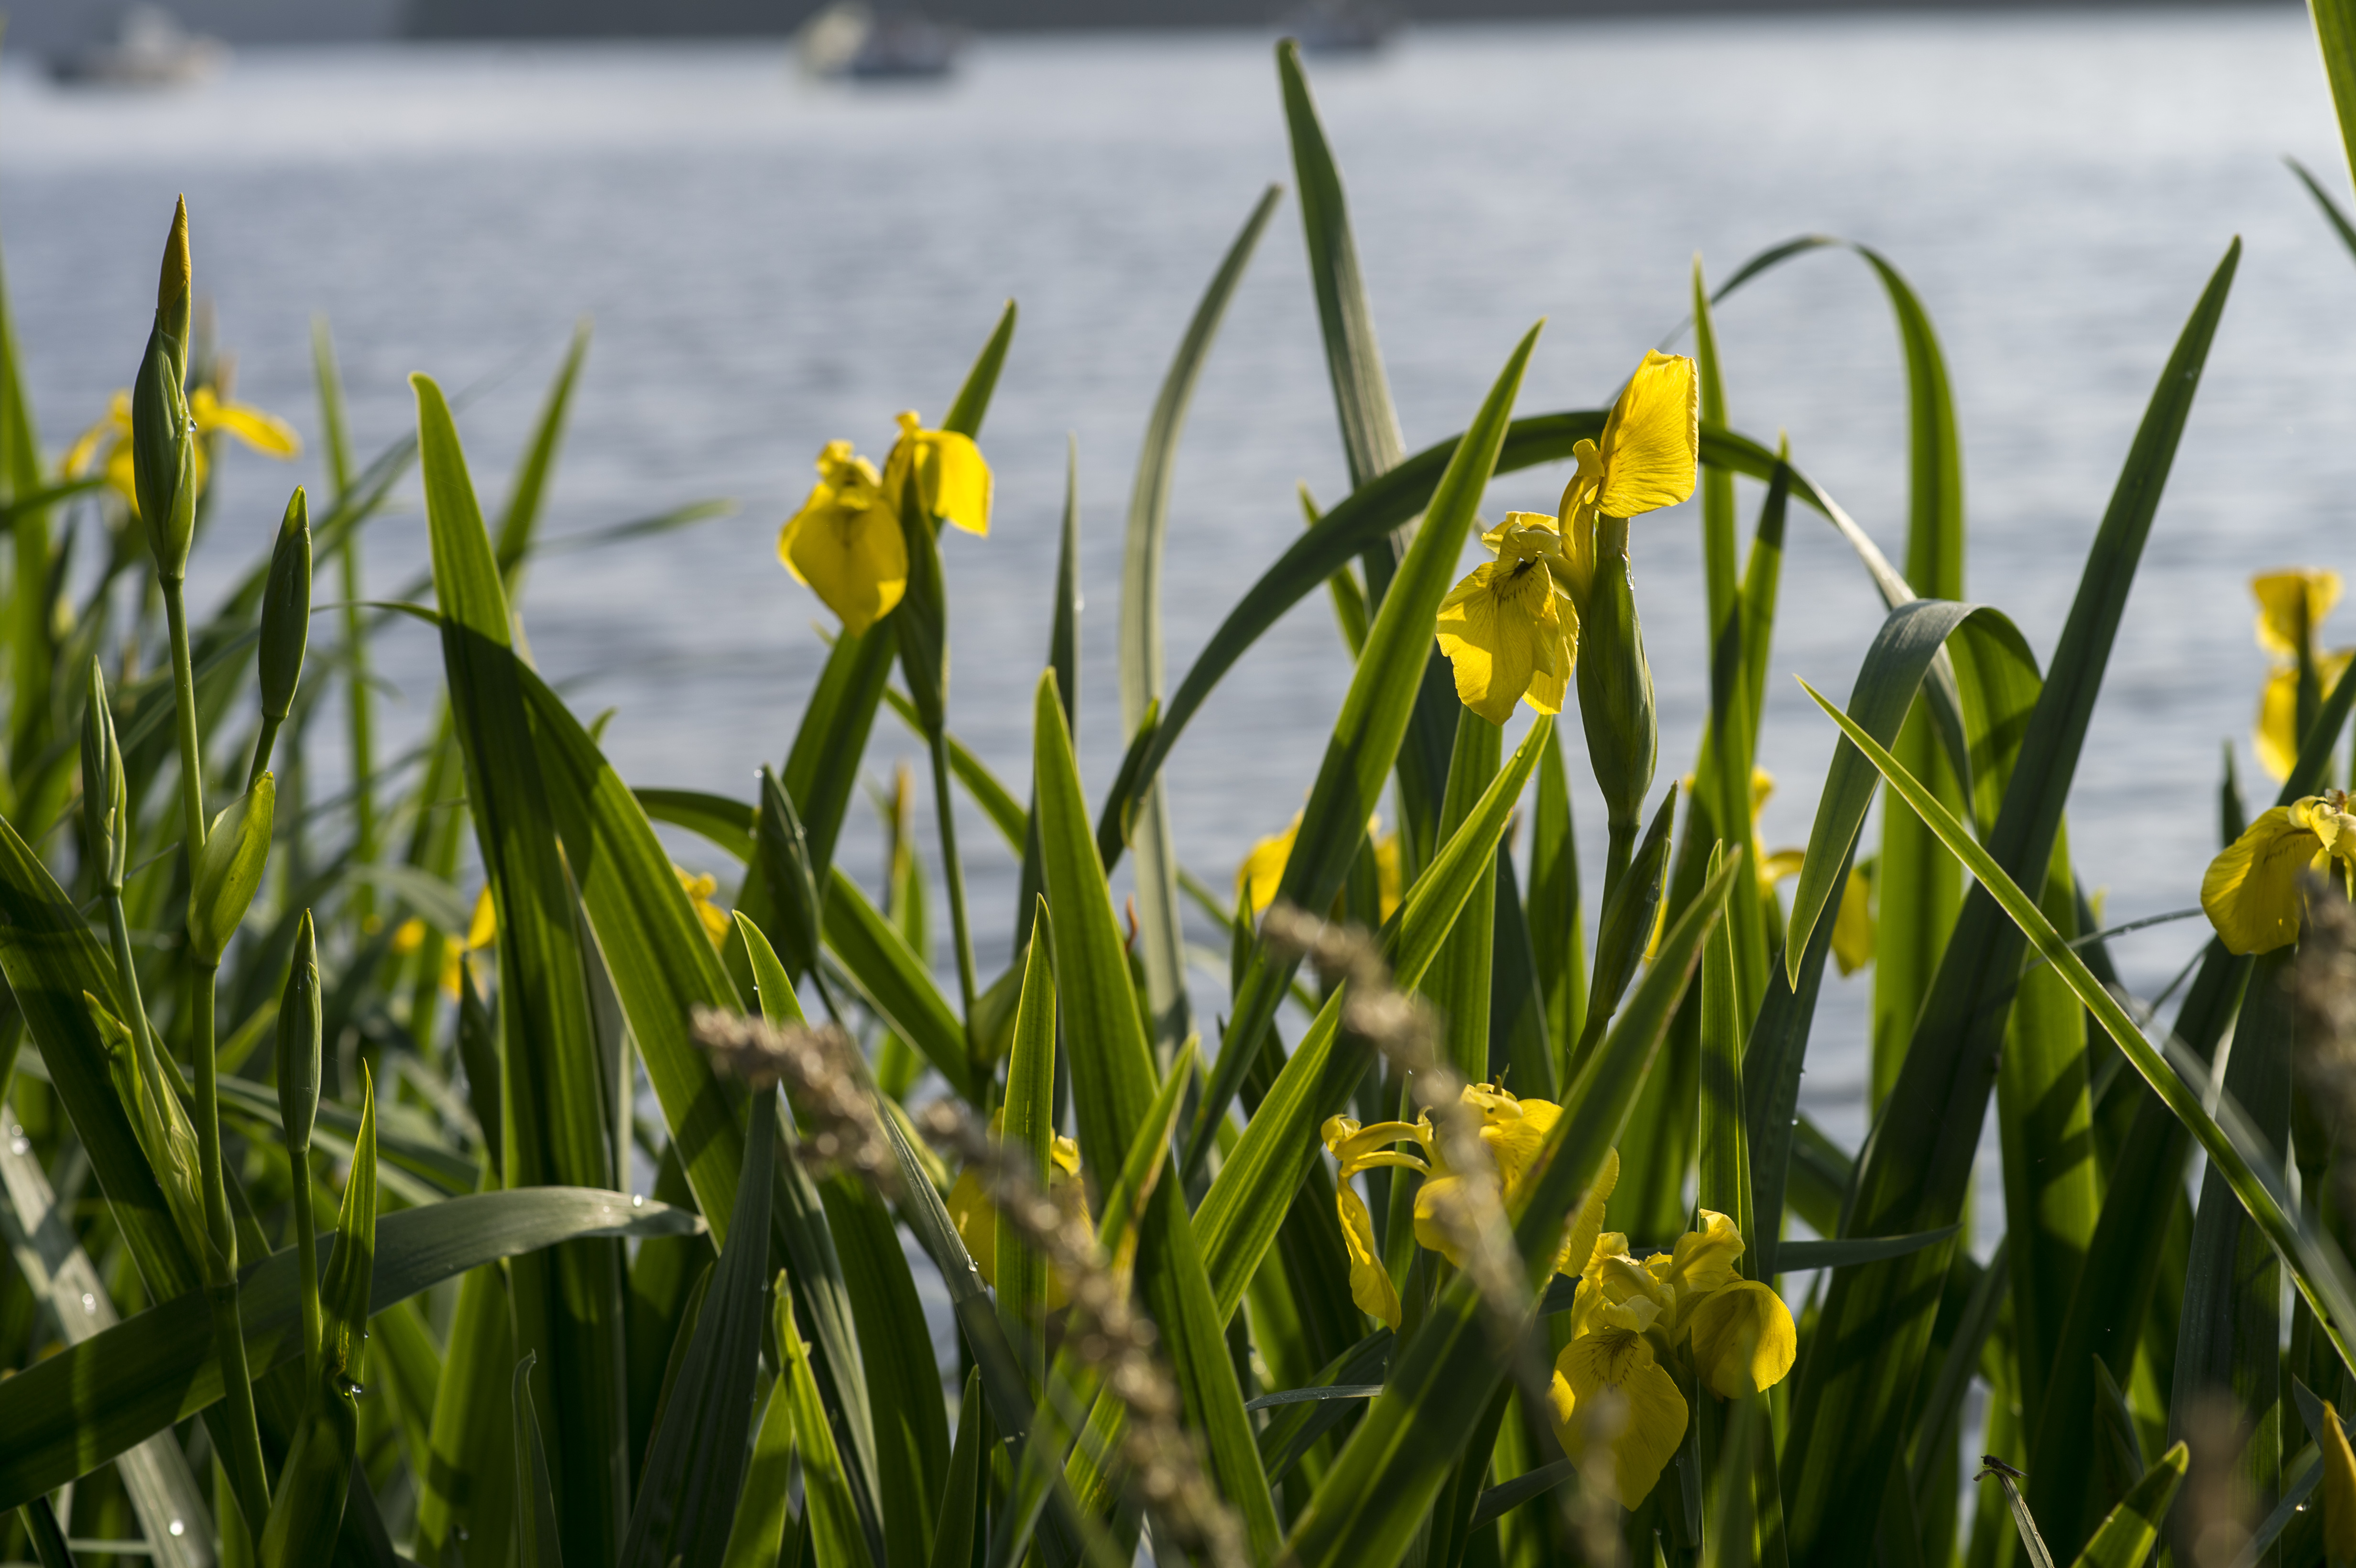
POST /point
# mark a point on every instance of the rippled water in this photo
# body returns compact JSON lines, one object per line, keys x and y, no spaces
{"x":770,"y":265}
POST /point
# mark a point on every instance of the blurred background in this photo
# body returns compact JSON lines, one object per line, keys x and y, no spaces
{"x":786,"y":228}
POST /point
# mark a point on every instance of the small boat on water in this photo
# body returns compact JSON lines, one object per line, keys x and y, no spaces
{"x":149,"y":49}
{"x":852,"y":39}
{"x":1342,"y":26}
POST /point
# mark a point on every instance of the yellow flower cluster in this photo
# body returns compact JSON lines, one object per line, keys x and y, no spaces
{"x":1637,"y":1322}
{"x":845,"y":542}
{"x":106,"y":446}
{"x":1511,"y":628}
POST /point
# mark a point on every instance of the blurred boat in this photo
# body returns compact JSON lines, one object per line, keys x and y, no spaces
{"x":149,"y":48}
{"x":1340,"y":26}
{"x":850,"y":40}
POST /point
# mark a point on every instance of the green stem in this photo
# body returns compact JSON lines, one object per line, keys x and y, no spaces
{"x":363,"y":897}
{"x":262,"y":749}
{"x":306,"y":1240}
{"x":184,"y":697}
{"x":118,"y":929}
{"x":248,"y":1474}
{"x":953,"y":871}
{"x":248,"y":1478}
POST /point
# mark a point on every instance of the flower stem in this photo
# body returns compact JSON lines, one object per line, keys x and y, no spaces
{"x":360,"y":710}
{"x":953,"y":872}
{"x":249,"y":1479}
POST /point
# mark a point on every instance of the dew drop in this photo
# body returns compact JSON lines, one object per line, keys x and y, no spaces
{"x":88,"y":1302}
{"x":178,"y":1528}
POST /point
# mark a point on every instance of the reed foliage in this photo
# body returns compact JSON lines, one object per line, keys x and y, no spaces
{"x":1481,"y":1226}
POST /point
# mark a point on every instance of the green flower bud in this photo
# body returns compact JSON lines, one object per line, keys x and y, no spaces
{"x":1615,"y":684}
{"x":287,"y":609}
{"x":298,"y":1041}
{"x":229,"y":871}
{"x":163,"y":451}
{"x":101,"y":783}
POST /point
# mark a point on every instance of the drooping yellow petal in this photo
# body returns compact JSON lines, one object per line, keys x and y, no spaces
{"x":1370,"y":1283}
{"x":2292,"y":603}
{"x":1743,"y":1338}
{"x":2275,"y":736}
{"x":263,"y":431}
{"x":106,"y":433}
{"x":1781,"y":863}
{"x":975,"y":1222}
{"x":1610,"y":1380}
{"x":484,"y":927}
{"x":1852,"y":929}
{"x":1651,"y":442}
{"x":1263,"y":869}
{"x":2251,"y":891}
{"x":1499,"y":629}
{"x":952,"y":480}
{"x":1388,"y":876}
{"x":2339,"y":1492}
{"x":849,"y":549}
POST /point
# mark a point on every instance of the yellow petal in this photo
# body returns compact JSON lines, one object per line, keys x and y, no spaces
{"x":1782,"y":863}
{"x":1387,"y":878}
{"x":2276,"y":737}
{"x":1743,"y":1338}
{"x":1853,"y":930}
{"x":84,"y":450}
{"x":1499,"y":629}
{"x":2251,"y":891}
{"x":2292,"y":603}
{"x":2339,"y":1492}
{"x":1370,"y":1283}
{"x":266,"y":433}
{"x":1257,"y":878}
{"x":952,"y":480}
{"x":485,"y":926}
{"x":1651,"y":442}
{"x":1610,"y":1380}
{"x":1704,"y":1260}
{"x":849,"y":549}
{"x":1437,"y":1196}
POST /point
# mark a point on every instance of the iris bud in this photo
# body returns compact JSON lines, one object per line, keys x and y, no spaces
{"x":102,"y":781}
{"x":287,"y":609}
{"x":1615,"y":684}
{"x":229,"y":871}
{"x":299,"y":1040}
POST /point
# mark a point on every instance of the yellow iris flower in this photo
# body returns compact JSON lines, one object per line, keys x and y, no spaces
{"x":1263,"y":869}
{"x":1637,"y":1322}
{"x":482,"y":930}
{"x":845,"y":541}
{"x":710,"y":915}
{"x":2292,"y":603}
{"x":2252,"y":891}
{"x":1511,"y":628}
{"x":976,"y":1218}
{"x":1514,"y":1131}
{"x":106,"y":446}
